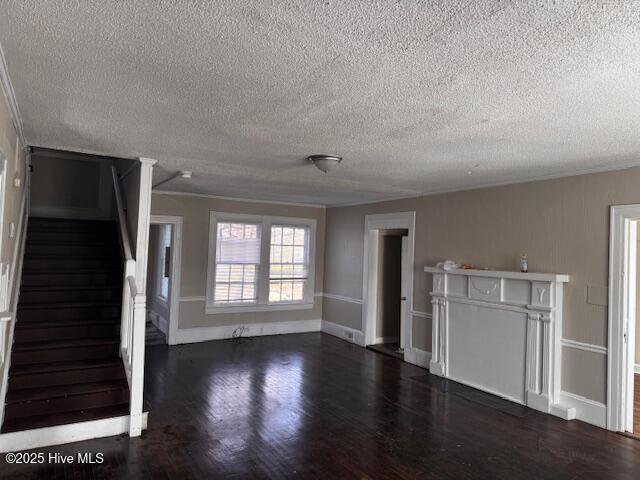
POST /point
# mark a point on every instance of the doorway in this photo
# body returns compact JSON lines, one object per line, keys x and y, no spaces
{"x":163,"y":274}
{"x":388,"y":282}
{"x":623,"y":384}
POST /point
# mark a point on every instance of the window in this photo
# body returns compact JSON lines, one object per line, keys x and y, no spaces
{"x":260,"y":263}
{"x":237,"y":262}
{"x":289,"y":263}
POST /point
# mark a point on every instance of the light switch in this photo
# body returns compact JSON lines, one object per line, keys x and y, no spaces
{"x":17,"y":182}
{"x":12,"y":230}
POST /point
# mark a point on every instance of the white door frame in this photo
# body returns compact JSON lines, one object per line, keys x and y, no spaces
{"x":373,"y":223}
{"x":176,"y":268}
{"x":621,"y":314}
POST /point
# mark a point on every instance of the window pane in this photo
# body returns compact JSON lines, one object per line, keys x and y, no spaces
{"x":237,"y":260}
{"x":287,"y":236}
{"x":274,"y":291}
{"x":276,"y":236}
{"x":222,"y":272}
{"x":287,"y":254}
{"x":299,"y":236}
{"x":222,"y":292}
{"x":298,"y":291}
{"x":287,"y":291}
{"x":289,"y":261}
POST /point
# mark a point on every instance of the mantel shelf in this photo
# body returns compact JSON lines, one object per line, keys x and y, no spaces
{"x":541,"y":277}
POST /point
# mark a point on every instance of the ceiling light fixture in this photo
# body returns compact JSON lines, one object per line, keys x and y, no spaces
{"x":324,"y":163}
{"x":186,"y":174}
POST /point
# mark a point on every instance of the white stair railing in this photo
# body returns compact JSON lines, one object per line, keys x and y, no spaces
{"x":132,"y":328}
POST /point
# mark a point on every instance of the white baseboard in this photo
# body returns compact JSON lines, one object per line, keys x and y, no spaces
{"x":636,"y":368}
{"x":204,"y":334}
{"x":73,"y":432}
{"x":158,"y":321}
{"x":418,"y":357}
{"x":345,"y":333}
{"x":587,"y":410}
{"x":387,"y":339}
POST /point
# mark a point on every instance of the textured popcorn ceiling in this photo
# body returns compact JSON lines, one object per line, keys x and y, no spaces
{"x":413,"y":94}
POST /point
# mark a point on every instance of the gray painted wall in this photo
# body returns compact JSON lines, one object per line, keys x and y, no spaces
{"x":562,"y":224}
{"x":195,"y":249}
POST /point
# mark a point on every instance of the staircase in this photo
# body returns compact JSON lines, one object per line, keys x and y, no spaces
{"x":65,"y":363}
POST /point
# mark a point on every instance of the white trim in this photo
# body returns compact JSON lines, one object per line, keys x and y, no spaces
{"x":342,"y":298}
{"x":262,"y":304}
{"x":576,"y":173}
{"x":582,"y":408}
{"x":417,"y":313}
{"x":15,"y":278}
{"x":372,"y":224}
{"x":237,"y":199}
{"x":204,"y":334}
{"x":636,"y":369}
{"x":72,"y":432}
{"x":588,"y":347}
{"x":620,"y":313}
{"x":192,"y":299}
{"x":418,"y":357}
{"x":347,"y":334}
{"x":176,"y":271}
{"x":10,"y":96}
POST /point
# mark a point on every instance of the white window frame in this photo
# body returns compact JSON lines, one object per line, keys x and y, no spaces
{"x":262,"y":304}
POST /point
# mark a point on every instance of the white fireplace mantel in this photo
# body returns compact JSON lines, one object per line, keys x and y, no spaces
{"x":500,"y":332}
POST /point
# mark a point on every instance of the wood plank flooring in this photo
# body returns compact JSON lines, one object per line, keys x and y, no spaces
{"x":314,"y":406}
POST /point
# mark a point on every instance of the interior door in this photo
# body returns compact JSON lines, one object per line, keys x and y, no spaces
{"x":403,"y":289}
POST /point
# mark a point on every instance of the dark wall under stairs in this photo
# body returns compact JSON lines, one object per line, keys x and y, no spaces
{"x":65,"y":363}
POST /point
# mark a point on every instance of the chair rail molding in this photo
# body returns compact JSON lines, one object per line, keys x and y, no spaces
{"x":475,"y":310}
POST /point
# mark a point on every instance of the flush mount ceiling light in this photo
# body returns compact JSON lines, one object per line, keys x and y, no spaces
{"x":186,"y":174}
{"x":324,"y":163}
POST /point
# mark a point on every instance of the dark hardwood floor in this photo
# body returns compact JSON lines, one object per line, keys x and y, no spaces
{"x":313,"y":406}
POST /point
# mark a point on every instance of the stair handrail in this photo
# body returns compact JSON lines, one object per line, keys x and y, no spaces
{"x":121,"y":217}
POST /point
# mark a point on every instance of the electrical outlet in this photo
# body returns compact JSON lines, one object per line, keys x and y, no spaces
{"x":348,"y":335}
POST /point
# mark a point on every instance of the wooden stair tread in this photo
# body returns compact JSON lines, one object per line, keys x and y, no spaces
{"x":49,"y":420}
{"x":37,"y":368}
{"x":67,"y":288}
{"x":33,"y":324}
{"x":63,"y":391}
{"x":66,"y":305}
{"x":58,"y":344}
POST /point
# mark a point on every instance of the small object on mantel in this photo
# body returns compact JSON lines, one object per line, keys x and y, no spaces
{"x":448,"y":265}
{"x":469,"y":266}
{"x":524,"y":263}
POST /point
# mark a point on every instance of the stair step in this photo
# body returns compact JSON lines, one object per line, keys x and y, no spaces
{"x":50,"y":222}
{"x":112,"y":277}
{"x":41,"y":375}
{"x":70,"y":248}
{"x":49,"y":420}
{"x":66,"y":330}
{"x":67,"y":311}
{"x":64,"y":350}
{"x":68,"y":294}
{"x":65,"y":398}
{"x":68,"y":262}
{"x":56,"y":237}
